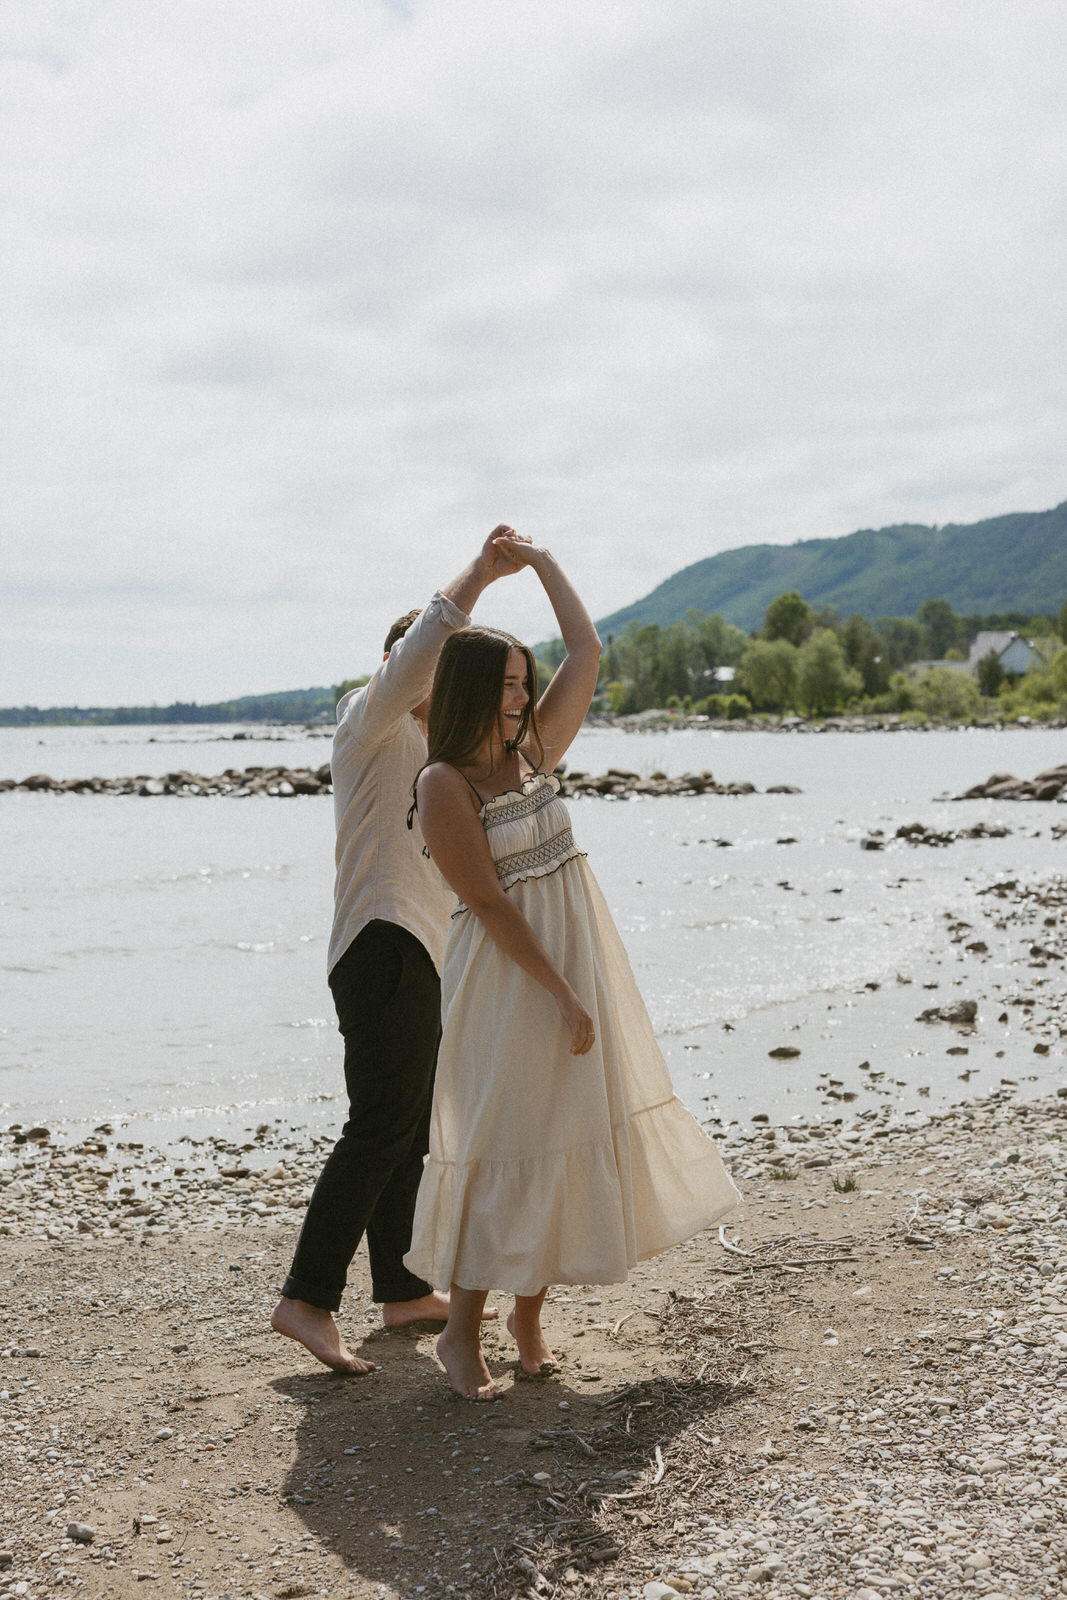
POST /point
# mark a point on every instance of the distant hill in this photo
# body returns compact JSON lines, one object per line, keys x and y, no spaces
{"x":1016,"y":562}
{"x":287,"y":705}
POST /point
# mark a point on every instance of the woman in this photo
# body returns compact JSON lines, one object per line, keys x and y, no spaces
{"x":558,"y":1151}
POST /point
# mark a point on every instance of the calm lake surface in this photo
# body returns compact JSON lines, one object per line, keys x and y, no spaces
{"x":162,"y":961}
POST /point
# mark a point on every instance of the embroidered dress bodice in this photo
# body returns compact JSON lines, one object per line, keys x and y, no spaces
{"x":529,"y":832}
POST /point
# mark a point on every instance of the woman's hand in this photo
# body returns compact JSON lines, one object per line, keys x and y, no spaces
{"x":498,"y":552}
{"x":519,"y":550}
{"x":580,"y":1023}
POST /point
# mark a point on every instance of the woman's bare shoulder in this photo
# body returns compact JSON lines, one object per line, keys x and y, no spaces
{"x":439,"y":776}
{"x":442,"y":783}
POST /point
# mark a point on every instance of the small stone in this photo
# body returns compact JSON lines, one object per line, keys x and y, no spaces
{"x":783,"y":1052}
{"x":6,"y":1558}
{"x":80,"y":1532}
{"x":659,"y":1591}
{"x":764,"y":1571}
{"x":164,"y":1433}
{"x":979,"y":1562}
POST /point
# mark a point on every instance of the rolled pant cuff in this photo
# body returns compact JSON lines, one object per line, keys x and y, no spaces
{"x":410,"y":1288}
{"x":312,"y":1294}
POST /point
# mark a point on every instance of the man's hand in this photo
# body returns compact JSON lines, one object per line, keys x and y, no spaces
{"x":518,"y":550}
{"x":497,"y":560}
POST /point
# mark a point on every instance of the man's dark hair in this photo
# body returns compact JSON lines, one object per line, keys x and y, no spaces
{"x":399,"y":628}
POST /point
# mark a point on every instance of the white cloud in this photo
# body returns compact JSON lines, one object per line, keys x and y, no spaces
{"x":302,"y":302}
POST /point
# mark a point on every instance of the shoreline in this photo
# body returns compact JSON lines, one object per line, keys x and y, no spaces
{"x":857,"y":1387}
{"x":887,"y":722}
{"x":855,"y":1048}
{"x":656,"y":720}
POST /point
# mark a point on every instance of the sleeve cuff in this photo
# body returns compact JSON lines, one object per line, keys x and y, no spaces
{"x":440,"y":607}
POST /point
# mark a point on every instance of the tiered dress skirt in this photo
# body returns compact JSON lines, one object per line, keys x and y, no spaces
{"x":546,"y":1167}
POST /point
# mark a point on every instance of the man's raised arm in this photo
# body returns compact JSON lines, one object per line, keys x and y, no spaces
{"x":404,"y":678}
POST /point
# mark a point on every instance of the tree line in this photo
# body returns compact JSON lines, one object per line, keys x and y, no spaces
{"x":816,"y":663}
{"x":288,"y":705}
{"x":801,"y":660}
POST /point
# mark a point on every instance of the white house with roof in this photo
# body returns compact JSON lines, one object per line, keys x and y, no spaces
{"x":1014,"y":653}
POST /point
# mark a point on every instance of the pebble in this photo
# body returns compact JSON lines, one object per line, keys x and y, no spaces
{"x":80,"y":1532}
{"x":274,"y":781}
{"x":286,"y":782}
{"x":952,"y":1453}
{"x":950,"y":1465}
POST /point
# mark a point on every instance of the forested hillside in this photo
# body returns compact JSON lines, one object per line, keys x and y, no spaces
{"x":1011,"y":563}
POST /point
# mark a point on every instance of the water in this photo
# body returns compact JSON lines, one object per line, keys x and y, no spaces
{"x":162,"y":960}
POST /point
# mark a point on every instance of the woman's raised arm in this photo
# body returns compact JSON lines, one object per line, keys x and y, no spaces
{"x":562,"y":708}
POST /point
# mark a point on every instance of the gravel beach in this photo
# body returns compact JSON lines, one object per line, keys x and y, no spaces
{"x":857,"y":1388}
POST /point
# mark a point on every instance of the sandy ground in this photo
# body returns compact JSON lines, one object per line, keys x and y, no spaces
{"x":846,"y":1355}
{"x":858,"y":1388}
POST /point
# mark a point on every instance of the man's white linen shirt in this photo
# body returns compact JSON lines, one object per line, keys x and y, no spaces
{"x":382,"y":873}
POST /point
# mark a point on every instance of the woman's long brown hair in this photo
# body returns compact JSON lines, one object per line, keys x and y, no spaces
{"x":468,"y":687}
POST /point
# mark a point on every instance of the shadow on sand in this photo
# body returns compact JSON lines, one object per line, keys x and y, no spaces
{"x":423,"y":1493}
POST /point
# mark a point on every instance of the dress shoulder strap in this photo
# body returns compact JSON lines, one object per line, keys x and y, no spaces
{"x":470,"y":786}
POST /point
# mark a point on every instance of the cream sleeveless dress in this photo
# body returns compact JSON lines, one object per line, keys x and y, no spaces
{"x":546,"y":1167}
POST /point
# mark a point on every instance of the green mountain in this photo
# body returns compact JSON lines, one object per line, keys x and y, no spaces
{"x":1016,"y":562}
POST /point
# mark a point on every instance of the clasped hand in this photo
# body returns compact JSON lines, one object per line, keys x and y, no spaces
{"x":519,"y":550}
{"x":499,"y":551}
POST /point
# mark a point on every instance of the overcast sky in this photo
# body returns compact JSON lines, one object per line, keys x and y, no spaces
{"x":300,"y":300}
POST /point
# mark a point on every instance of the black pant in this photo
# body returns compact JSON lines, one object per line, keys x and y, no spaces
{"x":388,"y":999}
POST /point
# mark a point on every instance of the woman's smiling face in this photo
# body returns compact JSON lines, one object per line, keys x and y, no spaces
{"x":516,"y":693}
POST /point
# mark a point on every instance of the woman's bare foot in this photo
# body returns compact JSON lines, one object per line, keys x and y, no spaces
{"x":524,"y":1325}
{"x":459,"y":1348}
{"x":431,"y":1307}
{"x":466,"y":1368}
{"x":316,"y":1330}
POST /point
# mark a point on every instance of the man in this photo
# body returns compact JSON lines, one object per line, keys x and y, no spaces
{"x":391,"y":913}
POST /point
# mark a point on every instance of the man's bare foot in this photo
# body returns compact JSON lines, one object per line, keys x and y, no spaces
{"x":466,"y":1368}
{"x":431,"y":1307}
{"x":535,"y":1357}
{"x":316,"y":1330}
